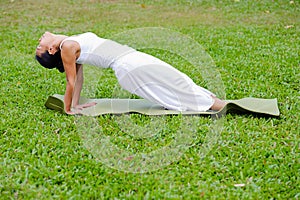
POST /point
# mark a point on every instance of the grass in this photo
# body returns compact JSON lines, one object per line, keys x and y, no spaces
{"x":255,"y":45}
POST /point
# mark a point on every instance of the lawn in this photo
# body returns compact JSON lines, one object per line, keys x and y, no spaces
{"x":48,"y":155}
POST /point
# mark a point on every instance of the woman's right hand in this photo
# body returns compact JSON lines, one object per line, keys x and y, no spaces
{"x":86,"y":105}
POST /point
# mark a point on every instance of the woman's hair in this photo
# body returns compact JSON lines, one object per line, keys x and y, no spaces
{"x":51,"y":61}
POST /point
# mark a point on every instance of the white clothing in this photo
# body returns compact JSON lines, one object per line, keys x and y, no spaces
{"x":143,"y":74}
{"x":88,"y":43}
{"x":157,"y":81}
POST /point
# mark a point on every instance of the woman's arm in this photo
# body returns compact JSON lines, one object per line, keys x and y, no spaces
{"x":78,"y":85}
{"x":74,"y":75}
{"x":77,"y":90}
{"x":69,"y":55}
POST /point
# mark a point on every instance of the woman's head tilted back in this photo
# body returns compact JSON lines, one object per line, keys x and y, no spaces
{"x":48,"y":52}
{"x":51,"y":61}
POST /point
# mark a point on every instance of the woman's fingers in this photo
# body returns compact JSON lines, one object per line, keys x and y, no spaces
{"x":89,"y":104}
{"x":86,"y":105}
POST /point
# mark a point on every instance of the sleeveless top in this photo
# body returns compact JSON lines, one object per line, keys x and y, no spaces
{"x":97,"y":51}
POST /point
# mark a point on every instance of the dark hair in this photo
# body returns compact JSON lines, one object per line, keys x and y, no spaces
{"x":51,"y":61}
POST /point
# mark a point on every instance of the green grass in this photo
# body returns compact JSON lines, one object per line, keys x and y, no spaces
{"x":255,"y":45}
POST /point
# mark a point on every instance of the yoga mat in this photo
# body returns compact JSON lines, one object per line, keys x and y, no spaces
{"x":123,"y":106}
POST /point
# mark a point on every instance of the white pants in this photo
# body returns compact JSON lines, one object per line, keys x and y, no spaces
{"x":159,"y":82}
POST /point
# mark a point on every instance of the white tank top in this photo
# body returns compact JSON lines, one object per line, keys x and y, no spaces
{"x":88,"y":42}
{"x":97,"y":51}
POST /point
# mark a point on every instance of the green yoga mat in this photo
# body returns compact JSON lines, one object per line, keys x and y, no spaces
{"x":123,"y":106}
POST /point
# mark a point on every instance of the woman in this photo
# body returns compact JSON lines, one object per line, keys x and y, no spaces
{"x":137,"y":72}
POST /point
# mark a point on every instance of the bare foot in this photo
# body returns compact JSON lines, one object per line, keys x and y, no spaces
{"x":218,"y":104}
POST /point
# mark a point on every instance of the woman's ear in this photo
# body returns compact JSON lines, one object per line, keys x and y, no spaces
{"x":52,"y":50}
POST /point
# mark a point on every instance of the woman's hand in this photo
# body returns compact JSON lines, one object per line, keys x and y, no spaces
{"x":86,"y":105}
{"x":77,"y":109}
{"x":73,"y":112}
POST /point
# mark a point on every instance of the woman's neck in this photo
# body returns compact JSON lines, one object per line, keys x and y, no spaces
{"x":58,"y":40}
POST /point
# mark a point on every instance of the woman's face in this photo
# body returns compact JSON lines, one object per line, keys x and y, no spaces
{"x":44,"y":43}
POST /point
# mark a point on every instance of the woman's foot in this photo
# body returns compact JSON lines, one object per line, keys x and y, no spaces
{"x":218,"y":104}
